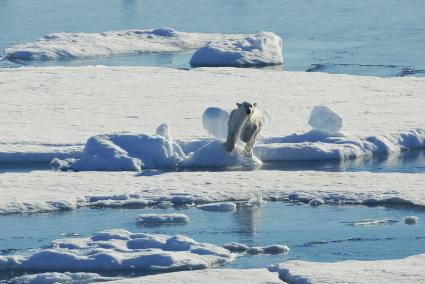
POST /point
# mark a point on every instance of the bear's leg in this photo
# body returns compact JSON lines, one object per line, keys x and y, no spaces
{"x":230,"y":142}
{"x":250,"y":144}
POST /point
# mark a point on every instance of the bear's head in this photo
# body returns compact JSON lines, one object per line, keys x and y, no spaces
{"x":246,"y":107}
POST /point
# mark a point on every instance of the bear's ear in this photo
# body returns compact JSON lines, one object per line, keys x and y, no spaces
{"x":238,"y":104}
{"x":254,"y":104}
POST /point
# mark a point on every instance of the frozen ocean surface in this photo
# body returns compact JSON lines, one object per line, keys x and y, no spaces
{"x":360,"y":38}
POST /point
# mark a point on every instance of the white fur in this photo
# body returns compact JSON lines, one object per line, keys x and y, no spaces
{"x":244,"y":125}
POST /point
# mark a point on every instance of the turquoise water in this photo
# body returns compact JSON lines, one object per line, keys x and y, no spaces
{"x":323,"y":233}
{"x":382,"y":38}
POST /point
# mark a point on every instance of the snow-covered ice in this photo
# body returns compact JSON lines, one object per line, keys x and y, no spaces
{"x":59,"y":277}
{"x":262,"y":49}
{"x":120,"y":250}
{"x":41,"y":191}
{"x":218,"y":206}
{"x":50,"y":112}
{"x":92,"y":45}
{"x":406,"y":270}
{"x":158,"y":219}
{"x":109,"y":99}
{"x":209,"y":276}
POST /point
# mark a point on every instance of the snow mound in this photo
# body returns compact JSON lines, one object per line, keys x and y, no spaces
{"x":57,"y":277}
{"x":218,"y":206}
{"x":157,"y":219}
{"x":320,"y":145}
{"x":120,"y":250}
{"x":411,"y":220}
{"x":125,"y":152}
{"x":215,"y":120}
{"x":64,"y":46}
{"x":324,"y":119}
{"x":214,"y":155}
{"x":264,"y":48}
{"x":406,"y":270}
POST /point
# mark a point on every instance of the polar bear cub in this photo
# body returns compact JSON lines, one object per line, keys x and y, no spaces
{"x":245,"y":122}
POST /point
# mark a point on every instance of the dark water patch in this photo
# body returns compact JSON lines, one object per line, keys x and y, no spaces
{"x":379,"y":70}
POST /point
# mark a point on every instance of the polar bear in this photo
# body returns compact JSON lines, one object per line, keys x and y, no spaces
{"x":245,"y":122}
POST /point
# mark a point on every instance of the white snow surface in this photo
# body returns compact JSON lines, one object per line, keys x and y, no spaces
{"x":264,"y":48}
{"x":157,"y":219}
{"x":406,"y":270}
{"x":50,"y":112}
{"x":119,"y":249}
{"x":92,"y":45}
{"x":209,"y":276}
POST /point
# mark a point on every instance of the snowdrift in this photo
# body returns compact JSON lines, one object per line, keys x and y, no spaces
{"x":260,"y":49}
{"x":120,"y":250}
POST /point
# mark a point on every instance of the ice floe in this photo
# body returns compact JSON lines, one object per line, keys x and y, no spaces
{"x":78,"y":103}
{"x":406,"y":270}
{"x":59,"y":277}
{"x":218,"y":206}
{"x":241,"y":248}
{"x":260,"y":49}
{"x":120,"y":250}
{"x":158,"y":219}
{"x":92,"y":45}
{"x":236,"y":247}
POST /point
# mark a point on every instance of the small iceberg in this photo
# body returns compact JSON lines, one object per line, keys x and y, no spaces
{"x":260,"y":49}
{"x":118,"y":249}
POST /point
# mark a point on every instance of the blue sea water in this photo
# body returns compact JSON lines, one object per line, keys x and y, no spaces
{"x":378,"y":38}
{"x":325,"y":233}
